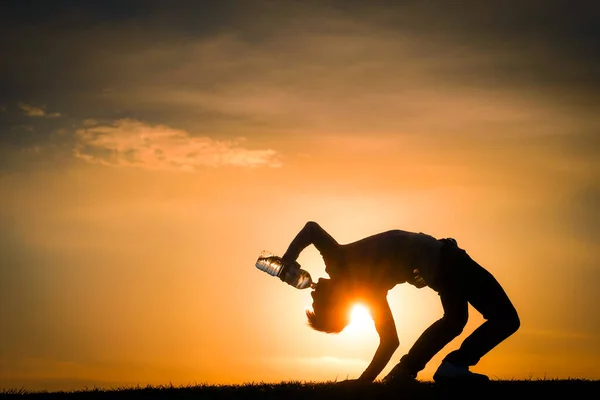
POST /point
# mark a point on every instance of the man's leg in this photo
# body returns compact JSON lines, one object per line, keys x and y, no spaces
{"x":487,"y":296}
{"x":438,"y":335}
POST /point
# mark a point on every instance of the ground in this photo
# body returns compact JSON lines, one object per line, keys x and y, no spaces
{"x":571,"y":388}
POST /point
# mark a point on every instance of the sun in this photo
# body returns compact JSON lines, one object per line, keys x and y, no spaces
{"x":360,"y":319}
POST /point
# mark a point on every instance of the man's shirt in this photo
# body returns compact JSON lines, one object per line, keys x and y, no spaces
{"x":387,"y":259}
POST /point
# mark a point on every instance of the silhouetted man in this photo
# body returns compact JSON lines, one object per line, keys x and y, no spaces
{"x":367,"y":269}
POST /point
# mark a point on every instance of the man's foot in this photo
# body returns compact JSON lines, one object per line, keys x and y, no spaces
{"x":399,"y":376}
{"x":448,"y":372}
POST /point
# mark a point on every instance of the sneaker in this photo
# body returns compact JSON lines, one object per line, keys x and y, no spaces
{"x":399,"y":376}
{"x":451,"y":373}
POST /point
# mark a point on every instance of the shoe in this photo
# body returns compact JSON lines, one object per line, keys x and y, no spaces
{"x":399,"y":376}
{"x":448,"y":372}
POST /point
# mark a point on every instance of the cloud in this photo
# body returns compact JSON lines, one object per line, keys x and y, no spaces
{"x":33,"y":111}
{"x":132,"y":143}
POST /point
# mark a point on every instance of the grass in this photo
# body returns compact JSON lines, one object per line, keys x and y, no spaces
{"x":509,"y":389}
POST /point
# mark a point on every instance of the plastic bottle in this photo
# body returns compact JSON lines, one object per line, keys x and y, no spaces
{"x":289,"y":272}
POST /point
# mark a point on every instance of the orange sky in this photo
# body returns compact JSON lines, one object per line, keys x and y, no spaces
{"x":142,"y":177}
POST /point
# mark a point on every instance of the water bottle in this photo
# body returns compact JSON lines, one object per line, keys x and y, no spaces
{"x":289,"y":272}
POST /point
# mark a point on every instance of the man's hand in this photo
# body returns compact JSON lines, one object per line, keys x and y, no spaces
{"x":388,"y":338}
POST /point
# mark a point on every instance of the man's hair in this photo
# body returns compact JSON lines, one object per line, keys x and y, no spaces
{"x":331,"y":311}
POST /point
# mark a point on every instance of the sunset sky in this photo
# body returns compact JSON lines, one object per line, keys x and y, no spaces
{"x":149,"y":151}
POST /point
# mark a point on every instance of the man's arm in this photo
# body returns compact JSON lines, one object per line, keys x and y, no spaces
{"x":311,"y":233}
{"x":388,"y":339}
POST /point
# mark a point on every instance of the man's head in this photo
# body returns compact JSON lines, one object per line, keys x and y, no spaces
{"x":331,"y":307}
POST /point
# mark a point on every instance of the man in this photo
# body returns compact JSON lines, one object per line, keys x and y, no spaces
{"x":367,"y":269}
